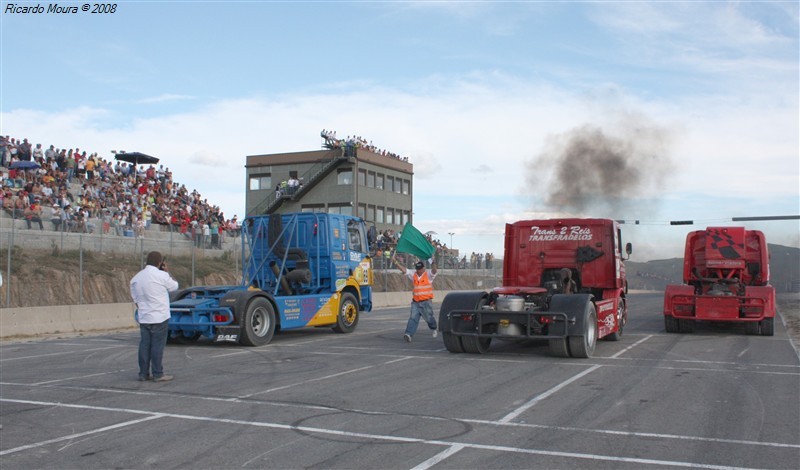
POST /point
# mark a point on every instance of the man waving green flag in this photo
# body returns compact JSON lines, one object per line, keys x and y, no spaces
{"x":412,"y":241}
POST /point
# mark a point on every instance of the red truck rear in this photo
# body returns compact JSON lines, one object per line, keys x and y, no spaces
{"x":726,"y":279}
{"x":563,"y":281}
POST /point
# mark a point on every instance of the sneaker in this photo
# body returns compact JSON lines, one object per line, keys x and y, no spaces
{"x":163,"y":378}
{"x":145,"y":379}
{"x":407,"y":338}
{"x":435,"y":333}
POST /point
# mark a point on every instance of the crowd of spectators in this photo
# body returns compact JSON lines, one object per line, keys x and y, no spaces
{"x":85,"y":192}
{"x":446,"y":257}
{"x":354,"y":142}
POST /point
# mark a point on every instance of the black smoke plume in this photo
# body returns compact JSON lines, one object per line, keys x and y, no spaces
{"x":591,"y":172}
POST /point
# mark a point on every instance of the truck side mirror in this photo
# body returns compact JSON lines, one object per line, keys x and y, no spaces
{"x":628,"y":248}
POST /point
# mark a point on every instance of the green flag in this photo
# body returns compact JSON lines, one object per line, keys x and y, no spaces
{"x":414,"y":242}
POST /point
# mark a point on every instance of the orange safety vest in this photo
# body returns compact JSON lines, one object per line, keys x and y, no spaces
{"x":423,"y":289}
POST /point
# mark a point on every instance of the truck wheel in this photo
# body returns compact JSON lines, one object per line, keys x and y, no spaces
{"x":767,"y":326}
{"x":751,"y":327}
{"x":621,"y":319}
{"x":258,"y":323}
{"x":457,"y":301}
{"x":583,"y":346}
{"x":347,"y":319}
{"x":671,"y":324}
{"x":452,"y":343}
{"x":558,"y":347}
{"x":685,"y":326}
{"x":475,"y":345}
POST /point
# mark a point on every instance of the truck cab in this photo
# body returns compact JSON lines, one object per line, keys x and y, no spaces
{"x":563,"y":281}
{"x":725,"y":279}
{"x":306,"y":269}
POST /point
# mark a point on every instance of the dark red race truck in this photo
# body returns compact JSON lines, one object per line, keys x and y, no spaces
{"x":563,"y":281}
{"x":726,"y":279}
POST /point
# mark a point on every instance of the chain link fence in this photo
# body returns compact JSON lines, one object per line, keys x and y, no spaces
{"x":42,"y":267}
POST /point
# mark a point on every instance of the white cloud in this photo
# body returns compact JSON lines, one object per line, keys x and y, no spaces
{"x":492,"y":123}
{"x":165,"y":97}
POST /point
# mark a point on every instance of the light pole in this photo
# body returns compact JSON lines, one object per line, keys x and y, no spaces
{"x":450,"y":257}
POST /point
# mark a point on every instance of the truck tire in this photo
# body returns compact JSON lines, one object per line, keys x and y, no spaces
{"x":583,"y":345}
{"x":558,"y":347}
{"x":621,"y":319}
{"x":767,"y":326}
{"x":671,"y":324}
{"x":347,"y":318}
{"x":258,"y":323}
{"x":452,"y":343}
{"x":475,"y":345}
{"x":576,"y":307}
{"x":457,"y":301}
{"x":752,"y":327}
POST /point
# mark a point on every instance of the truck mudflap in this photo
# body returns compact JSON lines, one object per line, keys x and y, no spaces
{"x":228,"y":334}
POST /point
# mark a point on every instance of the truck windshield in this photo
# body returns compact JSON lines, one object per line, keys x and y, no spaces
{"x":356,"y":238}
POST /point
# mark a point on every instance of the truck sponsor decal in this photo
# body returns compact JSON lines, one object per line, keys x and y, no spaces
{"x":229,"y":338}
{"x":602,"y":306}
{"x":291,"y":309}
{"x":573,"y":233}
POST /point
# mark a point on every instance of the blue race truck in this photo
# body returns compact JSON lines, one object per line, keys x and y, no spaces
{"x":306,"y":269}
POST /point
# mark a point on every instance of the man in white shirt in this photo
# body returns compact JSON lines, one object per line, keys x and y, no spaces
{"x":150,"y":290}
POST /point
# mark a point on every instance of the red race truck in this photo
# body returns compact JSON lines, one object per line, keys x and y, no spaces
{"x":563,"y":281}
{"x":725,"y":279}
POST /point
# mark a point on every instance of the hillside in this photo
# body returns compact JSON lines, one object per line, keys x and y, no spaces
{"x":49,"y":277}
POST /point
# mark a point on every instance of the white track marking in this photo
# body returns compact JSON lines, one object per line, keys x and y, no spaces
{"x":66,"y":379}
{"x":317,"y":379}
{"x":60,"y":353}
{"x":80,"y":434}
{"x":507,"y":418}
{"x":438,"y":457}
{"x":631,"y":347}
{"x":377,"y":437}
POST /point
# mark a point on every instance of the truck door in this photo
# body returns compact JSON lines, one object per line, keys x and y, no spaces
{"x":358,"y":254}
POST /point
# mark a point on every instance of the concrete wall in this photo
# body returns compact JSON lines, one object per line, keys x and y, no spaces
{"x":33,"y":321}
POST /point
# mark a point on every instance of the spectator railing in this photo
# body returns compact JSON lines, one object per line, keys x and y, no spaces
{"x":310,"y":178}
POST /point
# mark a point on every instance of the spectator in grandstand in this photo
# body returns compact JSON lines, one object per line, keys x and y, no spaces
{"x":33,"y":213}
{"x":57,"y":217}
{"x":233,"y":226}
{"x":25,"y":151}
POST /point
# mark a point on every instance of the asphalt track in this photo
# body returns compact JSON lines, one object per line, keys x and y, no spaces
{"x":713,"y":399}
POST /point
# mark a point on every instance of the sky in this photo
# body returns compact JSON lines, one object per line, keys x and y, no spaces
{"x":637,"y":111}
